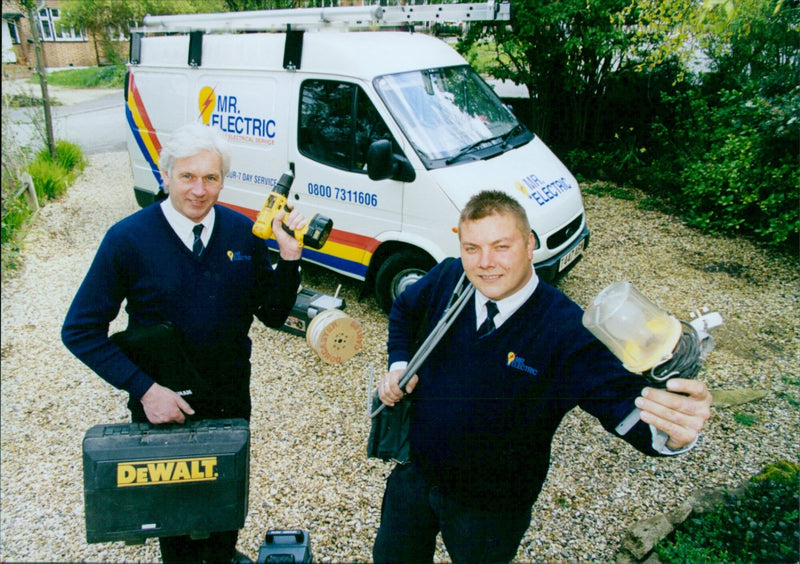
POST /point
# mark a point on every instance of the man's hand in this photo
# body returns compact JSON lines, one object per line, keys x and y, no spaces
{"x":162,"y":405}
{"x":680,"y":411}
{"x":388,"y":389}
{"x":289,"y":247}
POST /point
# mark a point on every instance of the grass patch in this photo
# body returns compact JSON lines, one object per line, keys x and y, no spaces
{"x":600,"y":189}
{"x":112,"y":76}
{"x":51,"y":180}
{"x":791,"y":396}
{"x":745,"y":419}
{"x":649,"y":203}
{"x":51,"y":177}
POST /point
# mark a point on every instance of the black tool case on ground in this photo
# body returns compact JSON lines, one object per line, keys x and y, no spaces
{"x":285,"y":547}
{"x":143,"y":480}
{"x":308,"y":304}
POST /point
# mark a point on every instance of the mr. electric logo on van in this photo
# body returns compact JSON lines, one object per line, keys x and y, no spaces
{"x":229,"y":114}
{"x":541,"y":192}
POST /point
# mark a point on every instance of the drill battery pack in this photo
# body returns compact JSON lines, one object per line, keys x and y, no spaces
{"x":142,"y":480}
{"x":285,"y":547}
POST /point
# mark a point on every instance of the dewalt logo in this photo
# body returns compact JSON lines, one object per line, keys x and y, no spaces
{"x":174,"y":471}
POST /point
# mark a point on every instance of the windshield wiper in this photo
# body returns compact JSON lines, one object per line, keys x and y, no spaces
{"x":472,"y":146}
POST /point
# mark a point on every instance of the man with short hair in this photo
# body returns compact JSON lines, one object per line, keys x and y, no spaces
{"x":491,"y":394}
{"x":196,"y":265}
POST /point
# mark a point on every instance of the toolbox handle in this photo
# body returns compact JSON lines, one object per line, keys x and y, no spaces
{"x":298,"y":535}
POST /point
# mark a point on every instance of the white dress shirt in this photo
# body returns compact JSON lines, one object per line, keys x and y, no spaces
{"x":183,"y":226}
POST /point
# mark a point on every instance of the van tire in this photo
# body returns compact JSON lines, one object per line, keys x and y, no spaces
{"x":398,"y":271}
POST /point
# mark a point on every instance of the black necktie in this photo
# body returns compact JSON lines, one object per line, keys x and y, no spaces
{"x":488,"y":325}
{"x":197,"y":247}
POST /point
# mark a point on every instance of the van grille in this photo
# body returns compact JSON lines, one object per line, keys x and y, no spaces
{"x":562,"y":235}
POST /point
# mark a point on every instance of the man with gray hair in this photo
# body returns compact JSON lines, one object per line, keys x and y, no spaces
{"x":196,"y":265}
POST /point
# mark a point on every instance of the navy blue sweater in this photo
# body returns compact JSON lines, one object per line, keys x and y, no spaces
{"x":211,"y":300}
{"x":485,"y":410}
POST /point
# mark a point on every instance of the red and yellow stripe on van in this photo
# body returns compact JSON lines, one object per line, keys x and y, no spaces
{"x":344,"y":251}
{"x":142,"y":128}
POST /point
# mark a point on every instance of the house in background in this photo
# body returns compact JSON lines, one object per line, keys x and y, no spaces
{"x":67,"y":47}
{"x":62,"y":46}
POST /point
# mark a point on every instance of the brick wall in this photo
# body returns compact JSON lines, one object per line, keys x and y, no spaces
{"x":58,"y":54}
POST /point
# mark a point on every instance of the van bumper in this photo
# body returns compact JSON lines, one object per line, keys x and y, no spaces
{"x":549,"y":270}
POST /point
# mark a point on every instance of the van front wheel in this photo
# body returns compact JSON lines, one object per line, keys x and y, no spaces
{"x":397,"y":272}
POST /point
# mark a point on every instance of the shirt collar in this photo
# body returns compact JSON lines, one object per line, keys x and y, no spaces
{"x":183,"y":226}
{"x":507,"y":306}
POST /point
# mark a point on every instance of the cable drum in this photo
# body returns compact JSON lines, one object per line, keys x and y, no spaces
{"x":334,"y":336}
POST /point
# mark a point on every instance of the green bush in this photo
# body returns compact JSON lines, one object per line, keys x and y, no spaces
{"x":49,"y":178}
{"x":720,"y":149}
{"x":759,"y":525}
{"x":70,"y":158}
{"x":15,"y":214}
{"x":744,"y":176}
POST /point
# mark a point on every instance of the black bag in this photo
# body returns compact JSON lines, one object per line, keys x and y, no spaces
{"x":157,"y":350}
{"x":388,"y":435}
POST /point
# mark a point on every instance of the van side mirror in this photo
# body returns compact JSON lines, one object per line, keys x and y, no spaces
{"x":383,"y":163}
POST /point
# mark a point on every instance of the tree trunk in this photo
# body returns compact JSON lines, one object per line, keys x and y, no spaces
{"x":42,"y":72}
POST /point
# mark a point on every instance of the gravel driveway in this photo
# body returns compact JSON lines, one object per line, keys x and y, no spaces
{"x":309,"y":428}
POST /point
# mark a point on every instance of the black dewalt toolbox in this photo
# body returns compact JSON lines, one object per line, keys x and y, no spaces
{"x":143,"y":480}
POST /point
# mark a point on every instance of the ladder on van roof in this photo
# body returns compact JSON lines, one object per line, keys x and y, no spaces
{"x":348,"y":16}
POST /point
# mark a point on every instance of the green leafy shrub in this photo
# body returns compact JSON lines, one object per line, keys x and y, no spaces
{"x":744,"y":177}
{"x":759,"y":525}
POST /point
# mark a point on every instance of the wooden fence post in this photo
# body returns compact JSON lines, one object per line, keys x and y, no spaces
{"x":30,"y":191}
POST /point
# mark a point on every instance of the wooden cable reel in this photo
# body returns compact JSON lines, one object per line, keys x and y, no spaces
{"x":334,"y":336}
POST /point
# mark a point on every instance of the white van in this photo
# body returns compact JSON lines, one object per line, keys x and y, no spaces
{"x":388,"y":134}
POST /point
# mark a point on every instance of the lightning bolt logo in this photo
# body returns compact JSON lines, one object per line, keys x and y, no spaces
{"x":205,"y":102}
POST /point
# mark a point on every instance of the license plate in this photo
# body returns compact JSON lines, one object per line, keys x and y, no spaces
{"x":570,"y":257}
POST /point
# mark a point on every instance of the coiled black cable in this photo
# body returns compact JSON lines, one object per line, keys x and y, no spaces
{"x":685,"y":360}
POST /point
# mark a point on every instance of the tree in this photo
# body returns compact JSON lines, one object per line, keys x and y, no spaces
{"x":738,"y":166}
{"x":564,"y":52}
{"x":41,"y":65}
{"x":100,"y":17}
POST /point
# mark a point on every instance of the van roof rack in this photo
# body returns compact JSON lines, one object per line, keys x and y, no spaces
{"x":350,"y":16}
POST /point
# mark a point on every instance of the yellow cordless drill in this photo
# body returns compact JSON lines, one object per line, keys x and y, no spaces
{"x":313,"y":235}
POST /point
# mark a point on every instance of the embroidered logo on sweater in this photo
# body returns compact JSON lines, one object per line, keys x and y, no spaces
{"x":518,"y":362}
{"x":234,"y":256}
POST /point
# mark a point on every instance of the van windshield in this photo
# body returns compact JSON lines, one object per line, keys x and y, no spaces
{"x":450,"y":115}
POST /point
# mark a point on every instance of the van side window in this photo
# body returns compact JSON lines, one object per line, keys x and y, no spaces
{"x":338,"y":122}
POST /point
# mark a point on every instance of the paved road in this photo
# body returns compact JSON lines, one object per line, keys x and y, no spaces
{"x":97,"y":124}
